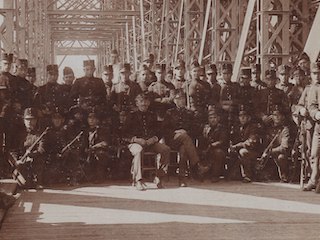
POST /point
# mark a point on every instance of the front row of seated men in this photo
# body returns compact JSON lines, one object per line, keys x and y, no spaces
{"x":71,"y":151}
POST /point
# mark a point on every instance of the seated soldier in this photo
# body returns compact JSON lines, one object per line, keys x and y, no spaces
{"x":142,"y":128}
{"x":96,"y":142}
{"x":280,"y":148}
{"x":179,"y":127}
{"x":32,"y":150}
{"x":214,"y":143}
{"x":246,"y":144}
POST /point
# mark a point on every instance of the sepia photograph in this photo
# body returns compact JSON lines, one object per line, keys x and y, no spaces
{"x":159,"y":119}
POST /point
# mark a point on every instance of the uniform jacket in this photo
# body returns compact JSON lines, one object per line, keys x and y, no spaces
{"x":281,"y":144}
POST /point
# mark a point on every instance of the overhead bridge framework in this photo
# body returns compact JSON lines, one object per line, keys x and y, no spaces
{"x":235,"y":31}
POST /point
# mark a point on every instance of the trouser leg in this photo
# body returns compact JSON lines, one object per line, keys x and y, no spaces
{"x":136,"y":170}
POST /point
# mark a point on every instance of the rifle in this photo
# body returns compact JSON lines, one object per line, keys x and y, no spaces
{"x":305,"y":163}
{"x":23,"y":159}
{"x":68,"y":146}
{"x":262,"y":161}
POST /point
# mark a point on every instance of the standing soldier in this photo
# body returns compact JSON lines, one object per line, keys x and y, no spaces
{"x":256,"y":81}
{"x":32,"y":78}
{"x":123,"y":93}
{"x":179,"y":74}
{"x":89,"y":90}
{"x":143,"y":130}
{"x":199,"y":93}
{"x":23,"y":88}
{"x":6,"y":63}
{"x":107,"y":76}
{"x":314,"y":110}
{"x":247,"y":93}
{"x":284,"y":75}
{"x":215,"y":88}
{"x":270,"y":97}
{"x":304,"y":64}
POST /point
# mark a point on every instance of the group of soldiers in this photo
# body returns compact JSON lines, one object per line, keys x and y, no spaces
{"x":89,"y":128}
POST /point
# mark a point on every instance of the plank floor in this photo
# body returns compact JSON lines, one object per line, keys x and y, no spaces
{"x":224,"y":210}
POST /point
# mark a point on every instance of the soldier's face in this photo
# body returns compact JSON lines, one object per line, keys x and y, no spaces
{"x":30,"y":123}
{"x":5,"y":66}
{"x":180,"y":102}
{"x":31,"y":78}
{"x":227,"y":76}
{"x":255,"y":75}
{"x":68,"y":79}
{"x":124,"y":76}
{"x":243,"y":119}
{"x":52,"y":77}
{"x":315,"y":76}
{"x":93,"y":121}
{"x":195,"y":73}
{"x":298,"y":78}
{"x":143,"y":75}
{"x":245,"y":81}
{"x":22,"y":70}
{"x":106,"y":77}
{"x":284,"y":77}
{"x":159,"y":75}
{"x":57,"y":121}
{"x":304,"y":64}
{"x":114,"y":58}
{"x":277,"y":119}
{"x":213,"y":120}
{"x":212,"y":76}
{"x":142,"y":104}
{"x":89,"y":71}
{"x":179,"y":72}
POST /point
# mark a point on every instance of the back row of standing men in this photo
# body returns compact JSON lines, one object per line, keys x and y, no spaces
{"x":174,"y":108}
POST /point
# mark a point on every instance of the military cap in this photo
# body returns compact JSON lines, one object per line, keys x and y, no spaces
{"x":210,"y":68}
{"x":179,"y":93}
{"x":244,"y":110}
{"x":142,"y":96}
{"x":194,"y":64}
{"x":245,"y":72}
{"x":170,"y":72}
{"x":271,"y":74}
{"x":7,"y":57}
{"x":255,"y":67}
{"x":125,"y":67}
{"x":149,"y":58}
{"x":95,"y":112}
{"x":214,"y":110}
{"x":277,"y":109}
{"x":31,"y":71}
{"x":179,"y":64}
{"x":22,"y":63}
{"x":4,"y":82}
{"x":161,"y":67}
{"x":304,"y":56}
{"x":75,"y":109}
{"x":114,"y":51}
{"x":226,"y":68}
{"x":108,"y":68}
{"x":89,"y":62}
{"x":315,"y":67}
{"x":58,"y":113}
{"x":67,"y":71}
{"x":30,"y":113}
{"x":284,"y":69}
{"x":53,"y":68}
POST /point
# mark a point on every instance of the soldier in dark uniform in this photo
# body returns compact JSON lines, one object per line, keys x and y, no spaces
{"x":211,"y":72}
{"x":247,"y":93}
{"x":270,"y":97}
{"x":179,"y":74}
{"x":107,"y":76}
{"x":6,"y":63}
{"x":280,"y":148}
{"x":33,"y":165}
{"x":32,"y":78}
{"x":246,"y":143}
{"x":256,"y":81}
{"x":314,"y":111}
{"x":68,"y":77}
{"x":304,"y":64}
{"x":23,"y":88}
{"x":52,"y":95}
{"x":179,"y":130}
{"x":124,"y":92}
{"x":97,"y":140}
{"x":199,"y":93}
{"x":76,"y":120}
{"x":143,"y":130}
{"x":284,"y":75}
{"x":214,"y":143}
{"x":89,"y":90}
